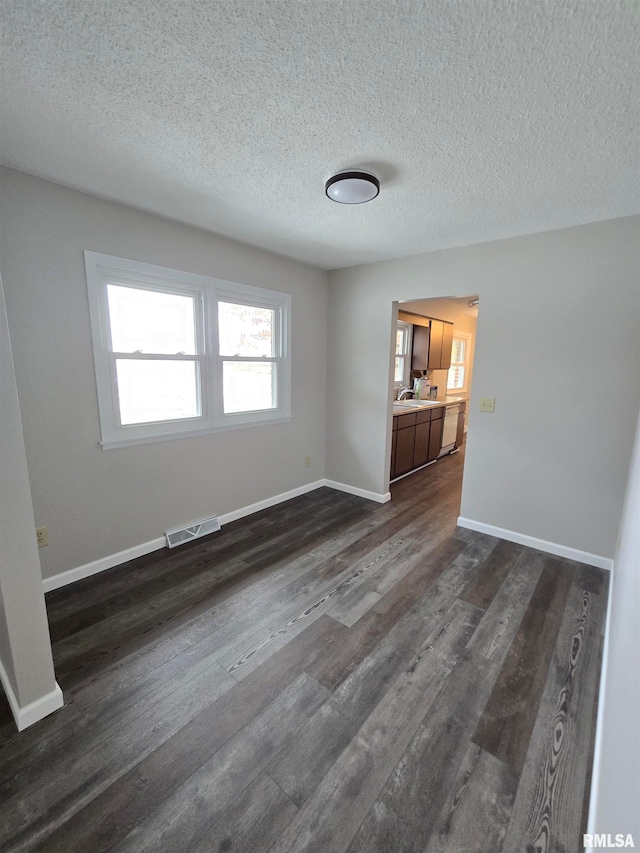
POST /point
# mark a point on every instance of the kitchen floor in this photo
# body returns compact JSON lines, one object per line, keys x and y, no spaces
{"x":328,"y":675}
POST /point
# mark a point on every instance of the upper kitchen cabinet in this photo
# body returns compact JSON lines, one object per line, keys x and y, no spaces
{"x":447,"y":344}
{"x":432,"y":340}
{"x":421,"y":348}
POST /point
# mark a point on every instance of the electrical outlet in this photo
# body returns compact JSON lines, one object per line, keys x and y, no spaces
{"x":487,"y":404}
{"x":42,"y":536}
{"x":307,"y":461}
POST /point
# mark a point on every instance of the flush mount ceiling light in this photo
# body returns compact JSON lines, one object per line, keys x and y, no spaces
{"x":352,"y":187}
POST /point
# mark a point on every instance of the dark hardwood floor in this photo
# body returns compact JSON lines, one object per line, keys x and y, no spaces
{"x":327,"y":675}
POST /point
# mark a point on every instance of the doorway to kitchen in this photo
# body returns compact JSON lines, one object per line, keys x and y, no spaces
{"x":432,"y":372}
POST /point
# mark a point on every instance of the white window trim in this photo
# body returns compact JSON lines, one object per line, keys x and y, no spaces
{"x":101,"y":269}
{"x":468,"y":337}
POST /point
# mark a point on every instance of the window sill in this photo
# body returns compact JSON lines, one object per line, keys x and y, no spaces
{"x":115,"y":443}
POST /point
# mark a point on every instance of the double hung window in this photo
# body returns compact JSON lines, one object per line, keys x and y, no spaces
{"x":248,"y":347}
{"x":402,"y":364}
{"x":457,"y":375}
{"x":177,"y":353}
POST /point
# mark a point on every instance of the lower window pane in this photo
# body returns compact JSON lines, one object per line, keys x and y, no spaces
{"x":157,"y":390}
{"x":398,"y":375}
{"x":248,"y":386}
{"x":455,"y":378}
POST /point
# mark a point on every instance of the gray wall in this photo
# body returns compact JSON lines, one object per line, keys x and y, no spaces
{"x":558,"y":346}
{"x":97,"y":503}
{"x":25,"y":650}
{"x":617,"y":773}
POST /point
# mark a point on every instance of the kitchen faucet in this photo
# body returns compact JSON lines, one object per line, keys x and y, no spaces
{"x":403,"y":392}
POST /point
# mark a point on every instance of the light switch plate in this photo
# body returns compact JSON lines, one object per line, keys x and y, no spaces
{"x":487,"y":404}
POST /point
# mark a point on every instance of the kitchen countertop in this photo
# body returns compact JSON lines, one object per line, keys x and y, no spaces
{"x":426,"y":404}
{"x":420,"y":406}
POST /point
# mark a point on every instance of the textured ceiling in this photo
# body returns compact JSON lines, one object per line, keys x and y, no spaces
{"x":482,"y":118}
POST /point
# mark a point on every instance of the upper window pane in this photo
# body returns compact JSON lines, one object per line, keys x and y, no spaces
{"x":151,"y":321}
{"x":457,"y":350}
{"x":246,"y":330}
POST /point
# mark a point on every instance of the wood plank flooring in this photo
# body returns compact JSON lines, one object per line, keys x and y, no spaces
{"x":327,"y":675}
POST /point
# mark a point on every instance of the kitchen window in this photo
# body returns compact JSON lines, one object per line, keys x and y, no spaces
{"x":458,"y":372}
{"x":402,"y":363}
{"x":180,"y":354}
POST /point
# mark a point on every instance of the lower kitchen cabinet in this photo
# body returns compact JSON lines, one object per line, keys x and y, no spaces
{"x":460,"y":431}
{"x":421,"y":444}
{"x":404,"y":449}
{"x":394,"y":442}
{"x":416,"y":440}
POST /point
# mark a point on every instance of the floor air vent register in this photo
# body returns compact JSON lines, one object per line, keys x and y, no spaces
{"x":194,"y":531}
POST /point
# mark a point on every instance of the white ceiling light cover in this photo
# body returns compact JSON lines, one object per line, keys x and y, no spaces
{"x":352,"y":187}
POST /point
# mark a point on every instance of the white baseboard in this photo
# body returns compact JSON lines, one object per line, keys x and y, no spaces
{"x":81,"y":572}
{"x":540,"y":544}
{"x":361,"y":493}
{"x":29,"y":714}
{"x":602,"y":688}
{"x":267,"y":502}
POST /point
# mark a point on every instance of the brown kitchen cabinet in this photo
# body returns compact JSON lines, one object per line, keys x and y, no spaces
{"x":435,"y":436}
{"x":440,"y":343}
{"x":394,"y":442}
{"x":421,"y":443}
{"x":416,"y":440}
{"x":432,"y":341}
{"x":435,"y":345}
{"x":420,"y":348}
{"x":461,"y":419}
{"x":447,"y":343}
{"x":404,"y":449}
